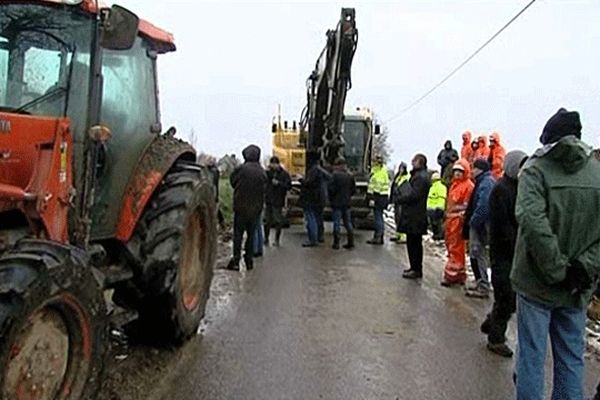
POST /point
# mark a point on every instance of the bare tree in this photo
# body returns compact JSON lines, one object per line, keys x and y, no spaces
{"x":193,"y":137}
{"x":381,"y":145}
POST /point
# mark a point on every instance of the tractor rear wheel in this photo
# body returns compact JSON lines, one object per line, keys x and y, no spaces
{"x":178,"y":246}
{"x":53,"y":330}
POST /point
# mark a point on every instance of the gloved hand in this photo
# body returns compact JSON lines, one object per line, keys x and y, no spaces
{"x":577,"y":279}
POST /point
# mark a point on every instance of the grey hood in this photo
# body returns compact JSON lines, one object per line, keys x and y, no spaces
{"x":512,"y":163}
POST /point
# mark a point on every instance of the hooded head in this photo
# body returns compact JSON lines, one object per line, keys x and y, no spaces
{"x":513,"y":162}
{"x":495,"y":139}
{"x":448,"y":145}
{"x":466,"y":137}
{"x":464,"y":166}
{"x":482,"y":141}
{"x":402,"y":168}
{"x":251,"y":153}
{"x":561,"y":124}
{"x":480,"y":166}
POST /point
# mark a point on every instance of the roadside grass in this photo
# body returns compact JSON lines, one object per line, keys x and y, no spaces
{"x":226,"y":200}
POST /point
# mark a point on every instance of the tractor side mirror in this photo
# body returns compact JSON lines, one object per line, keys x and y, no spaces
{"x":119,"y":28}
{"x":377,"y":129}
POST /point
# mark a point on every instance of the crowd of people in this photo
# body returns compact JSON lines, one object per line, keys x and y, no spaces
{"x":527,"y":219}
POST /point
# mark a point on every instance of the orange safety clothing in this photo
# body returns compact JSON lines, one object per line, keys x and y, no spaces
{"x":483,"y":151}
{"x":459,"y":194}
{"x":497,"y":154}
{"x":466,"y":151}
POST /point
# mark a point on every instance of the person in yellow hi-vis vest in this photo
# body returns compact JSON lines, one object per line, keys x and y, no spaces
{"x":378,"y":191}
{"x":436,"y":205}
{"x":402,"y":176}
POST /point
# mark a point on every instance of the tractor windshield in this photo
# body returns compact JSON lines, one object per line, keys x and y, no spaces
{"x":355,"y":133}
{"x":44,"y":59}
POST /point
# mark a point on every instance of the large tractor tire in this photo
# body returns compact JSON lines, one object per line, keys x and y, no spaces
{"x":177,"y":239}
{"x":53,"y":329}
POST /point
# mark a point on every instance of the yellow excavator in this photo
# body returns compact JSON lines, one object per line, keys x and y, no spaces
{"x":324,"y":127}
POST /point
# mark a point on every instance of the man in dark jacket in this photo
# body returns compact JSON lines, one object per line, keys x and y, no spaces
{"x":341,"y":189}
{"x":556,"y":258}
{"x":312,"y":198}
{"x":447,"y":157}
{"x":478,"y":217}
{"x":503,"y":235}
{"x":248,"y":181}
{"x":325,"y":181}
{"x":278,"y":184}
{"x":413,"y":221}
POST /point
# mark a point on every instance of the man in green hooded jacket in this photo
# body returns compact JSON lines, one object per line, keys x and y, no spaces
{"x":557,"y":257}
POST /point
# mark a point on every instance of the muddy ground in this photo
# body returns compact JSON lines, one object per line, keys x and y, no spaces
{"x":144,"y":371}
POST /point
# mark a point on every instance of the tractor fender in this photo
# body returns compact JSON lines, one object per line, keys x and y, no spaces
{"x":157,"y":159}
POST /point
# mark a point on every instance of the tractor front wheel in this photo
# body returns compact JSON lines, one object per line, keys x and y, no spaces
{"x":178,"y":245}
{"x":53,"y":331}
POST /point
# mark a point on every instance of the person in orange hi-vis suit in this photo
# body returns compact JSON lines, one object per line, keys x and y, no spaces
{"x":483,"y":151}
{"x":455,"y":271}
{"x":497,"y":154}
{"x":466,"y":151}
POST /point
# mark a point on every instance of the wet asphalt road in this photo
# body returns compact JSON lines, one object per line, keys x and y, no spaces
{"x":319,"y":324}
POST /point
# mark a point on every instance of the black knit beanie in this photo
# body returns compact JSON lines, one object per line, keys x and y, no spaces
{"x":482,"y":164}
{"x":561,"y":124}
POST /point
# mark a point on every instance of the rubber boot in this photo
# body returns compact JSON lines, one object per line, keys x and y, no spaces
{"x":277,"y":237}
{"x":350,"y":244}
{"x":336,"y":242}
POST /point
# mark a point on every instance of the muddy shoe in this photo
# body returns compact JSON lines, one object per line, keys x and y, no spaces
{"x":249,"y":264}
{"x":375,"y":241}
{"x":410,"y":274}
{"x":593,"y":311}
{"x":233,"y":265}
{"x":501,"y":349}
{"x":447,"y":283}
{"x":309,"y":244}
{"x":486,"y":325}
{"x":480,"y":292}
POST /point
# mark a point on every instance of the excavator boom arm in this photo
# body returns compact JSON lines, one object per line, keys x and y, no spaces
{"x":327,"y":86}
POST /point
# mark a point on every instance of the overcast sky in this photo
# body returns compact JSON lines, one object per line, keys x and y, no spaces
{"x":237,"y":60}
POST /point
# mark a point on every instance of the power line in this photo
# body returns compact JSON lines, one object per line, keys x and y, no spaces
{"x":461,"y":65}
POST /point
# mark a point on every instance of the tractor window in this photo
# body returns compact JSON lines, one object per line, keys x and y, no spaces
{"x":129,"y":96}
{"x":3,"y":69}
{"x":43,"y":53}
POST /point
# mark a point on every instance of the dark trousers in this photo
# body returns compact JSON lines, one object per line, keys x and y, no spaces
{"x":243,"y":224}
{"x":414,"y":245}
{"x":505,"y":302}
{"x":436,"y":222}
{"x":321,"y":223}
{"x":273,"y":219}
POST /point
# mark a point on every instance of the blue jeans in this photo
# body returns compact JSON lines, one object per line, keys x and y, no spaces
{"x":339,"y":215}
{"x":379,"y":223}
{"x":259,"y":238}
{"x":565,"y":326}
{"x":311,"y":218}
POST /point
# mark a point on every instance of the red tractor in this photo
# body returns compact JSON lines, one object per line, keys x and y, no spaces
{"x":103,"y":219}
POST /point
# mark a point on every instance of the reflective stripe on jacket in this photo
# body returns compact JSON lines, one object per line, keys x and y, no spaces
{"x":437,"y":195}
{"x":379,"y":182}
